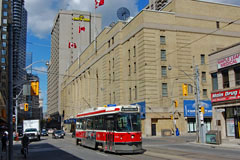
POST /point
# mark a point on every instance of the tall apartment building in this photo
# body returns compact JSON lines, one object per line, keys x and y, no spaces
{"x":72,"y":32}
{"x":5,"y":15}
{"x":157,"y":4}
{"x":19,"y":44}
{"x":132,"y":62}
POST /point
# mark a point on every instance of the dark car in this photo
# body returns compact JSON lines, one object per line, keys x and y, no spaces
{"x":44,"y":133}
{"x":58,"y":134}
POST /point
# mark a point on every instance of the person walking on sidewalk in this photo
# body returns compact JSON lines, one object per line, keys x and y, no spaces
{"x":4,"y":142}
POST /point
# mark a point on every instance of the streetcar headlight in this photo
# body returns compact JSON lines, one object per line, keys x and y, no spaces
{"x":132,"y":136}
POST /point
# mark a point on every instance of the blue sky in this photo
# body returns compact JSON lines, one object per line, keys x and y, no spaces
{"x":40,"y":20}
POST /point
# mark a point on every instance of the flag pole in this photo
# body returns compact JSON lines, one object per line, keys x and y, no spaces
{"x":94,"y":29}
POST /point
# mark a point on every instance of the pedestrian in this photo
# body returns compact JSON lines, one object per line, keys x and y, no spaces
{"x":4,"y":142}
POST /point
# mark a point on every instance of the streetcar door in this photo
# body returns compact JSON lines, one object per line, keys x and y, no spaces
{"x":110,"y":133}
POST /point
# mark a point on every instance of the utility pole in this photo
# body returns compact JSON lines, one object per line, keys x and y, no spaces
{"x":199,"y":115}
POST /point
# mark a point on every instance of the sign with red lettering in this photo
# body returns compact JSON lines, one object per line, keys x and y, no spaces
{"x":225,"y":95}
{"x":229,"y":61}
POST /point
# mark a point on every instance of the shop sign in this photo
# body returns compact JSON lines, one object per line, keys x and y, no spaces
{"x":225,"y":95}
{"x":189,"y":108}
{"x":229,"y":61}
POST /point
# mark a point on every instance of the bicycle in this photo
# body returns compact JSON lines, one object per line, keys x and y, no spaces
{"x":25,"y":152}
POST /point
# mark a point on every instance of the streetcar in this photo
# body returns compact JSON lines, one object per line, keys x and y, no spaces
{"x":112,"y":129}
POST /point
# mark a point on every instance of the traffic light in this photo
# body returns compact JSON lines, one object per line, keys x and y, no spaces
{"x":176,"y":103}
{"x":202,"y":110}
{"x":185,"y":89}
{"x":35,"y":88}
{"x":14,"y":119}
{"x":25,"y":107}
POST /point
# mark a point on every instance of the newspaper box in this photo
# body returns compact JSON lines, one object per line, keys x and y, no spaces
{"x":214,"y":137}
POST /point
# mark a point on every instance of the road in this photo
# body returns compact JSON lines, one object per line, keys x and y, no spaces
{"x":161,"y":148}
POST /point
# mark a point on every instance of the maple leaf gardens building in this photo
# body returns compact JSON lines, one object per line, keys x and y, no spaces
{"x":148,"y":59}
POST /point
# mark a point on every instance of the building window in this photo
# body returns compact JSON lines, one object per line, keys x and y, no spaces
{"x":135,"y":92}
{"x":3,"y":67}
{"x":162,"y":40}
{"x":163,"y":55}
{"x":113,"y":62}
{"x":217,"y":24}
{"x":3,"y":60}
{"x":130,"y":94}
{"x":109,"y":43}
{"x":164,"y":71}
{"x":4,"y":52}
{"x":225,"y":79}
{"x":110,"y":98}
{"x":4,"y":21}
{"x":109,"y":65}
{"x":4,"y":28}
{"x":237,"y":75}
{"x":134,"y":51}
{"x":202,"y":59}
{"x":204,"y":92}
{"x":5,"y":13}
{"x":112,"y":40}
{"x":114,"y":98}
{"x":4,"y":36}
{"x":4,"y":44}
{"x":214,"y":81}
{"x":135,"y":67}
{"x":129,"y":72}
{"x":129,"y":54}
{"x":164,"y":90}
{"x":5,"y":6}
{"x":109,"y":78}
{"x":113,"y":76}
{"x":204,"y":77}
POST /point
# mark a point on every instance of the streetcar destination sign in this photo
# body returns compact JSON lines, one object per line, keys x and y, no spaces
{"x":129,"y":109}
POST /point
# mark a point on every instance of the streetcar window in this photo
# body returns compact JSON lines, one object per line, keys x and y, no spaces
{"x":89,"y":123}
{"x":84,"y":123}
{"x":128,"y":122}
{"x":99,"y":123}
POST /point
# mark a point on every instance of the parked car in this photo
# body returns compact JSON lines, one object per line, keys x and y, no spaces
{"x":50,"y":131}
{"x":44,"y":133}
{"x":58,"y":134}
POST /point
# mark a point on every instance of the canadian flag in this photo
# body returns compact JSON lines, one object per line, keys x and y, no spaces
{"x":72,"y":45}
{"x":99,"y":3}
{"x":81,"y":29}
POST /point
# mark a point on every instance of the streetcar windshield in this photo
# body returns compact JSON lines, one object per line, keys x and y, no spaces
{"x":128,"y":122}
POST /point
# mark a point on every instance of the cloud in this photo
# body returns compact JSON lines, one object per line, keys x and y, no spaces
{"x":42,"y":13}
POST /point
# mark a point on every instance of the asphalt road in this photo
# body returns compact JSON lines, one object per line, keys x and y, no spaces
{"x":161,"y":148}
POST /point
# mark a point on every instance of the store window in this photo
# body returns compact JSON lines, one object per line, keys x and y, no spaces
{"x":225,"y":79}
{"x":214,"y":81}
{"x":237,"y":75}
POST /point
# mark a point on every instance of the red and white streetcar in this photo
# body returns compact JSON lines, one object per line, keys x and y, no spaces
{"x":114,"y":129}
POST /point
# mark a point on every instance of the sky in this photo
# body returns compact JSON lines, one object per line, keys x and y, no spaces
{"x":41,"y":14}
